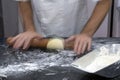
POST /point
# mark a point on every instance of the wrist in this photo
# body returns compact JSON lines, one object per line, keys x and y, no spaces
{"x":30,"y":28}
{"x":87,"y":33}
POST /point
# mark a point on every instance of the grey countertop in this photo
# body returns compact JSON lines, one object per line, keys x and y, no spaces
{"x":37,"y":64}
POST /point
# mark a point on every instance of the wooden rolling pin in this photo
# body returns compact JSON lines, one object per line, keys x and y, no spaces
{"x":43,"y":43}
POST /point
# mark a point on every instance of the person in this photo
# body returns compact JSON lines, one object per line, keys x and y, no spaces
{"x":61,"y":18}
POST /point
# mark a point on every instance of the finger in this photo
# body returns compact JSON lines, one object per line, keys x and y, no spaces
{"x":26,"y":44}
{"x":76,"y":44}
{"x":19,"y":43}
{"x":38,"y":37}
{"x":89,"y":46}
{"x":12,"y":41}
{"x":84,"y":47}
{"x":70,"y":39}
{"x":8,"y":40}
{"x":79,"y":50}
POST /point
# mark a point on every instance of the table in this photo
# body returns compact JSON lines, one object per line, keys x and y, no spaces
{"x":37,"y":64}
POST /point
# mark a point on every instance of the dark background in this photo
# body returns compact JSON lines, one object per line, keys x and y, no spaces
{"x":1,"y":21}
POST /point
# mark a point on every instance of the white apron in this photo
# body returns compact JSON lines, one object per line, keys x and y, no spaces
{"x":61,"y":18}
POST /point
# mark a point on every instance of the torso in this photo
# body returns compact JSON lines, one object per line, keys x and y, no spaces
{"x":61,"y":18}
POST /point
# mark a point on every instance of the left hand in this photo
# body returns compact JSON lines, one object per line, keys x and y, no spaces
{"x":82,"y":42}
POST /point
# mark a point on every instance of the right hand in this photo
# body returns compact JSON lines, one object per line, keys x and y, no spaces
{"x":24,"y":39}
{"x":82,"y":42}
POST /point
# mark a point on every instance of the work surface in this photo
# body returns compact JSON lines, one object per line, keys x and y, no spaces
{"x":37,"y":64}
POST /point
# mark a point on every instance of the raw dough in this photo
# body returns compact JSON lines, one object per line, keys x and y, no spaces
{"x":55,"y":43}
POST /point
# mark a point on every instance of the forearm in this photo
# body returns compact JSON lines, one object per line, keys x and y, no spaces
{"x":97,"y":17}
{"x":27,"y":16}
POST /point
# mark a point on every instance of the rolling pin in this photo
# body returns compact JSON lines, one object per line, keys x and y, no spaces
{"x":43,"y":43}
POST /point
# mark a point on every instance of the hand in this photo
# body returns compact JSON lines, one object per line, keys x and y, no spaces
{"x":24,"y":39}
{"x":82,"y":42}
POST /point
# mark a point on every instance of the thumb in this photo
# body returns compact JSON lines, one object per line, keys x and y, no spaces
{"x":72,"y":38}
{"x":38,"y":37}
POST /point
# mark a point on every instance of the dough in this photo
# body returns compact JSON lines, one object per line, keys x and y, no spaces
{"x":56,"y":43}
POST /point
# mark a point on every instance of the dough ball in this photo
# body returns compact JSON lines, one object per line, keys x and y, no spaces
{"x":55,"y":44}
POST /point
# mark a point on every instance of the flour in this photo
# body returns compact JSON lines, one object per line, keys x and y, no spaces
{"x":101,"y":62}
{"x":18,"y":62}
{"x":104,"y":59}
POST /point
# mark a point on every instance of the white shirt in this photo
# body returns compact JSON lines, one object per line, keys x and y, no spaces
{"x":61,"y":18}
